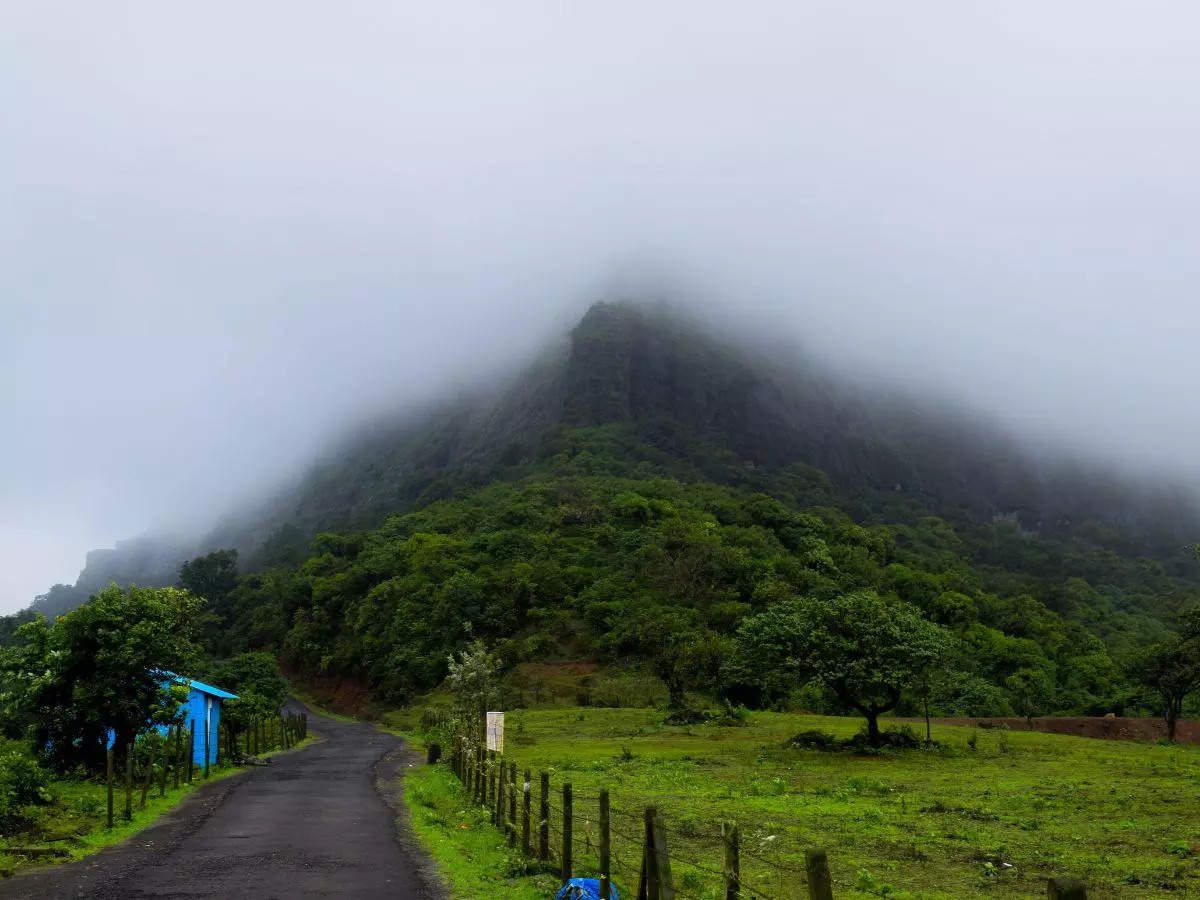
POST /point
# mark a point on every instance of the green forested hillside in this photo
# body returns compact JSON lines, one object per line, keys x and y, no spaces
{"x":649,"y":481}
{"x":593,"y":554}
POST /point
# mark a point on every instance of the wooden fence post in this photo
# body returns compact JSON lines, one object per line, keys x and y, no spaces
{"x":490,"y":800}
{"x":129,"y":782}
{"x":166,"y":756}
{"x":544,"y":820}
{"x":512,"y":804}
{"x":498,"y":812}
{"x":526,"y":806}
{"x":568,"y":823}
{"x":481,"y":775}
{"x":1066,"y":889}
{"x":149,"y":775}
{"x":178,"y":760}
{"x":605,"y":848}
{"x":820,"y":884}
{"x":191,"y":752}
{"x":655,"y":882}
{"x":733,"y":863}
{"x":109,"y":778}
{"x":207,"y":751}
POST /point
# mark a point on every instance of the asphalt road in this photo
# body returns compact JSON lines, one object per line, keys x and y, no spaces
{"x":319,"y":822}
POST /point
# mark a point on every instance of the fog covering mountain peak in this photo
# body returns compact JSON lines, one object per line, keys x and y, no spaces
{"x":711,"y":406}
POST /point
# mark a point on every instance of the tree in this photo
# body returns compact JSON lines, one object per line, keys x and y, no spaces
{"x":104,"y":666}
{"x":685,"y":661}
{"x":1032,"y":690}
{"x":1172,"y":669}
{"x":213,"y":578}
{"x":931,"y":684}
{"x":473,"y":679}
{"x":864,"y":647}
{"x":681,"y":652}
{"x":261,"y":690}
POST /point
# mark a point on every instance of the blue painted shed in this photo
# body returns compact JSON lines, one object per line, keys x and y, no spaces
{"x":203,"y":712}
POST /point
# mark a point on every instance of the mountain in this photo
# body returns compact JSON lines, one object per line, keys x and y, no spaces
{"x":151,"y":560}
{"x":649,"y":477}
{"x":707,"y":408}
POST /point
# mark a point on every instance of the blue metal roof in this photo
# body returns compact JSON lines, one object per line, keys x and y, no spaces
{"x":209,"y":689}
{"x":200,"y":686}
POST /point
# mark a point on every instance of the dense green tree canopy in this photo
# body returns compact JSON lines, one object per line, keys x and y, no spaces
{"x":260,"y":687}
{"x":592,"y":554}
{"x":105,"y":665}
{"x":865,"y":648}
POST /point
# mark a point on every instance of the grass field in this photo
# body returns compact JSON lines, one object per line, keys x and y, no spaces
{"x":992,"y":813}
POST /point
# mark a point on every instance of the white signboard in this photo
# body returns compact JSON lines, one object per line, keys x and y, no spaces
{"x":495,"y":731}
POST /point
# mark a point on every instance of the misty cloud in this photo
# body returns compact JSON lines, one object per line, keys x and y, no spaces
{"x":228,"y":231}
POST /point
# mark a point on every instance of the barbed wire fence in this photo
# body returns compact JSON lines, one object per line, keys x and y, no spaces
{"x":570,"y":834}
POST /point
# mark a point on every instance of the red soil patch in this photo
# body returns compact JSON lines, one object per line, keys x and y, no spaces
{"x":1187,"y":731}
{"x":342,"y":695}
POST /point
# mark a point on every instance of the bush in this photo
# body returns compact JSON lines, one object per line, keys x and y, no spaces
{"x":892,"y":739}
{"x":23,"y":785}
{"x":686,"y":717}
{"x":732,"y":716}
{"x":628,"y":690}
{"x":22,"y":780}
{"x":813,"y":740}
{"x":903,"y":738}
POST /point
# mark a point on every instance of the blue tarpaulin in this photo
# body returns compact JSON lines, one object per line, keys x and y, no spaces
{"x":584,"y":889}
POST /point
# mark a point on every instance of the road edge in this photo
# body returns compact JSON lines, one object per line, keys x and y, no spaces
{"x":389,"y":783}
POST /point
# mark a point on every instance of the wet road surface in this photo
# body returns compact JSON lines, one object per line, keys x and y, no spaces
{"x":312,"y":824}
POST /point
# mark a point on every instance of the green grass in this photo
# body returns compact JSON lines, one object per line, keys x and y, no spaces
{"x":994,"y":821}
{"x":471,"y":854}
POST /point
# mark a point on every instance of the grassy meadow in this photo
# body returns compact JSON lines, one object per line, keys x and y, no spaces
{"x":992,"y":813}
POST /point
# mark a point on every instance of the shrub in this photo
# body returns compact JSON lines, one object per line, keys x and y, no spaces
{"x":628,"y":690}
{"x":23,"y":785}
{"x":686,"y":716}
{"x":22,"y":780}
{"x":813,"y":740}
{"x":732,"y":716}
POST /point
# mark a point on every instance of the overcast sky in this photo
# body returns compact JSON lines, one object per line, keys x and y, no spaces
{"x":227,"y":228}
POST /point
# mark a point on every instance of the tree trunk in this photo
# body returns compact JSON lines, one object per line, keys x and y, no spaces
{"x":928,"y":738}
{"x":1172,"y":717}
{"x":124,"y":739}
{"x":872,"y":727}
{"x":676,"y":694}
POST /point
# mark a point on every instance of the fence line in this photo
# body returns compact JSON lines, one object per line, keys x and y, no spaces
{"x":171,"y":756}
{"x":559,"y":831}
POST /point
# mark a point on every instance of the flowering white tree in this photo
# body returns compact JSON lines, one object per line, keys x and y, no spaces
{"x":473,"y":679}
